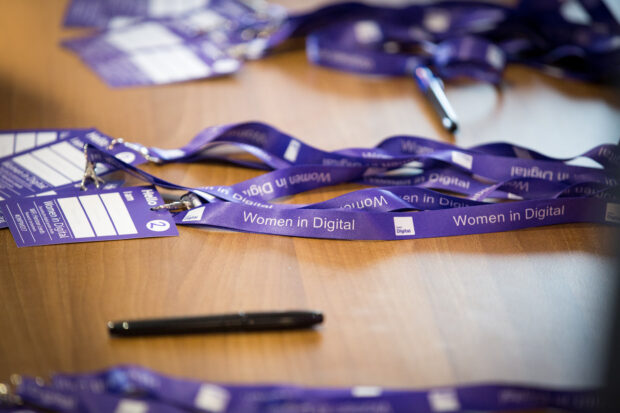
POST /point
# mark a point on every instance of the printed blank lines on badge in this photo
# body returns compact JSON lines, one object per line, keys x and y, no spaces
{"x":66,"y":168}
{"x":38,"y":168}
{"x":106,"y":214}
{"x":24,"y":141}
{"x":70,"y":153}
{"x":7,"y":142}
{"x":11,"y":143}
{"x":164,"y":8}
{"x":119,"y":214}
{"x":170,"y":65}
{"x":205,"y":20}
{"x":141,"y":36}
{"x":97,"y":214}
{"x":75,"y":216}
{"x":46,"y":137}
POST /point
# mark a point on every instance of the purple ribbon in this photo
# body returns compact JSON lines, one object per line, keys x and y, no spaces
{"x":144,"y":389}
{"x":409,"y":174}
{"x":455,"y":38}
{"x":461,"y":39}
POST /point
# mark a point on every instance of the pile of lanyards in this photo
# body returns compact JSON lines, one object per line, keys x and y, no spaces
{"x":575,"y":39}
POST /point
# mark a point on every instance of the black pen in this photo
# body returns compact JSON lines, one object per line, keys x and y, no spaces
{"x":432,"y":89}
{"x":223,"y":323}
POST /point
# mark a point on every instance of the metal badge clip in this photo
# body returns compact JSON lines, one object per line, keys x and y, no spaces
{"x":89,"y":172}
{"x":187,"y":201}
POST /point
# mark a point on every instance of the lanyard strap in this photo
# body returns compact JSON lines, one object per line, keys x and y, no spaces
{"x":461,"y":39}
{"x":499,"y":190}
{"x":455,"y":38}
{"x":154,"y":392}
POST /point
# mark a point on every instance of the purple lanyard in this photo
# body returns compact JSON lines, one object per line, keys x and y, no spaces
{"x":454,"y":38}
{"x":544,"y":191}
{"x":132,"y":389}
{"x":461,"y":39}
{"x":496,"y":161}
{"x":422,"y":188}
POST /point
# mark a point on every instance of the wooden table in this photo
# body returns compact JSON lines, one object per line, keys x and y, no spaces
{"x":526,"y":306}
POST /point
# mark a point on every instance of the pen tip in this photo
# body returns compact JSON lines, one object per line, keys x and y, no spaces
{"x":110,"y":325}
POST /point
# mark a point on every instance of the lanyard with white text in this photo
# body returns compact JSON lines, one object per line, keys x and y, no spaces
{"x":552,"y":192}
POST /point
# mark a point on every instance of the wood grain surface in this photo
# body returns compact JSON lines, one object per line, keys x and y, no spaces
{"x":526,"y":306}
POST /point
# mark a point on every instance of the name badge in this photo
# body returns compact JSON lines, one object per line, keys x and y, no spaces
{"x":120,"y":213}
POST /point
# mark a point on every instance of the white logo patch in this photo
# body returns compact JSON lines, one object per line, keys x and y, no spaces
{"x":212,"y":398}
{"x":168,"y":153}
{"x":612,"y":213}
{"x":463,"y":159}
{"x":403,"y":226}
{"x":292,"y":150}
{"x":495,"y":56}
{"x":366,"y":391}
{"x":194,"y":215}
{"x":444,"y":400}
{"x":131,"y":406}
